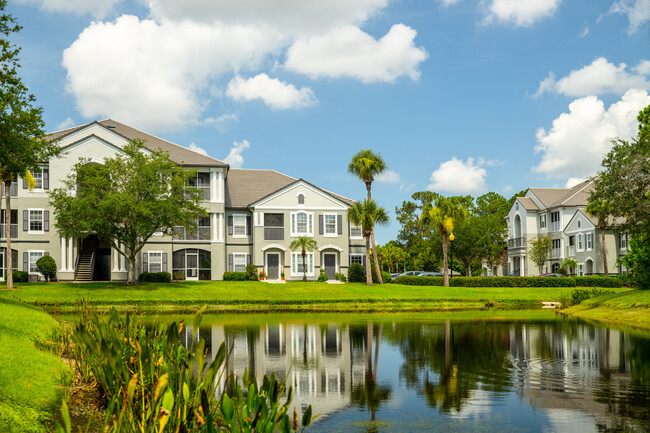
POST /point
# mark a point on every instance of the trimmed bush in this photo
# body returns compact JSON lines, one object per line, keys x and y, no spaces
{"x":488,"y":281}
{"x":342,"y":278}
{"x":598,"y":281}
{"x":251,"y":272}
{"x":419,"y":281}
{"x":356,"y":273}
{"x":237,"y":276}
{"x":322,"y":277}
{"x":20,"y":276}
{"x":47,"y":266}
{"x":155,"y":277}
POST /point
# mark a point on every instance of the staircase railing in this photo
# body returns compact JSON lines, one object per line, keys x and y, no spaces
{"x":92,"y":264}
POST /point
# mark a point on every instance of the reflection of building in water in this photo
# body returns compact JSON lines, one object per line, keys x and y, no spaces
{"x":319,"y":361}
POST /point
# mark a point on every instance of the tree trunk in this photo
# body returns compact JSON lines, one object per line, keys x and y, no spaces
{"x":8,"y":256}
{"x":369,"y":332}
{"x":468,"y":270}
{"x":602,"y":239}
{"x":374,"y":369}
{"x":368,"y":265}
{"x":131,"y":278}
{"x":375,"y":258}
{"x":304,"y":267}
{"x":445,"y":267}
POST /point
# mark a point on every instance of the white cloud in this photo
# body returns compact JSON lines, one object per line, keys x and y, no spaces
{"x":585,"y":31}
{"x":67,"y":123}
{"x":573,"y":181}
{"x":234,"y":158}
{"x":637,"y":11}
{"x":459,"y":177}
{"x":600,"y":77}
{"x":406,"y":188}
{"x":154,"y":75}
{"x":96,"y":8}
{"x":222,"y":121}
{"x":388,"y":176}
{"x":196,"y":148}
{"x":506,"y":189}
{"x":578,"y":140}
{"x":521,"y":13}
{"x":448,"y":3}
{"x":273,"y":92}
{"x":350,"y":52}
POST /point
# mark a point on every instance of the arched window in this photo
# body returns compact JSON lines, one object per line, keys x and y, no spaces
{"x":301,"y":199}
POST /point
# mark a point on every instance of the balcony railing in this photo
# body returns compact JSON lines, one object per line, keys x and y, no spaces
{"x":556,"y":253}
{"x":572,"y":250}
{"x":516,"y":242}
{"x":200,"y":234}
{"x":555,"y":226}
{"x":273,"y":233}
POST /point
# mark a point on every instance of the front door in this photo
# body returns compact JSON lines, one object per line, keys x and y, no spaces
{"x":330,"y":265}
{"x":273,"y":266}
{"x":192,"y":266}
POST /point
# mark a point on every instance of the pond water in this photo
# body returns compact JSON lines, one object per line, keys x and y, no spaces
{"x":429,"y":372}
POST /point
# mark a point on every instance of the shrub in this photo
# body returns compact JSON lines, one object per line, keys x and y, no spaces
{"x":342,"y":278}
{"x":251,"y":272}
{"x":419,"y":281}
{"x":488,"y":281}
{"x":322,"y":277}
{"x":179,"y":275}
{"x":155,"y":277}
{"x":237,"y":276}
{"x":579,"y":295}
{"x":356,"y":273}
{"x":598,"y":281}
{"x":20,"y":276}
{"x":385,"y":277}
{"x":46,"y":266}
{"x":626,"y":280}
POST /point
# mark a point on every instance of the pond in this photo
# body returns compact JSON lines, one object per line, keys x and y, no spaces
{"x":453,"y":372}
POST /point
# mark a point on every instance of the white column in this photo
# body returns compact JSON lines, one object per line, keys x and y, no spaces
{"x":213,"y":185}
{"x":116,"y":261}
{"x":63,"y":254}
{"x":70,"y":262}
{"x":220,"y":237}
{"x":214,"y":221}
{"x":122,"y":260}
{"x":220,"y":186}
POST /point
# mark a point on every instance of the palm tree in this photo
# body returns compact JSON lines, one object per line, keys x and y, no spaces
{"x":602,"y":210}
{"x":365,"y":215}
{"x":366,"y":164}
{"x":447,"y":211}
{"x":305,"y":244}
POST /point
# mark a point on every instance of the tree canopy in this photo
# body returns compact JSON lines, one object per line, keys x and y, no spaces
{"x":366,"y":215}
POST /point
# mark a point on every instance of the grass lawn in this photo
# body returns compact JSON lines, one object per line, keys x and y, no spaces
{"x":221,"y":296}
{"x":626,"y":307}
{"x":31,"y":378}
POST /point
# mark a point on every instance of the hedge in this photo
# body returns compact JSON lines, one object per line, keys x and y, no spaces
{"x":20,"y":276}
{"x":488,"y":281}
{"x":235,"y":276}
{"x":419,"y":281}
{"x":155,"y":277}
{"x":598,"y":281}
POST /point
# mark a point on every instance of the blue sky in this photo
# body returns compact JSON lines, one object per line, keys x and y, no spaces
{"x":458,"y":96}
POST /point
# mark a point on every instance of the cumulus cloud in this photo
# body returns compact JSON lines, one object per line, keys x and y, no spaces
{"x":350,"y":52}
{"x":521,"y":13}
{"x":637,"y":11}
{"x":67,"y":123}
{"x":196,"y":148}
{"x":388,"y":176}
{"x":222,"y":121}
{"x":162,"y":69}
{"x":599,"y":77}
{"x":578,"y":140}
{"x":273,"y":92}
{"x":235,"y":158}
{"x":96,"y":8}
{"x":456,"y":176}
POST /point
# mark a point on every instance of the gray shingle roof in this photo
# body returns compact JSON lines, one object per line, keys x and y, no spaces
{"x":527,"y":203}
{"x":178,"y":154}
{"x":554,"y":197}
{"x":245,"y":186}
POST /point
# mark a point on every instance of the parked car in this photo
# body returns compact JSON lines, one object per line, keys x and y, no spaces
{"x":410,"y":274}
{"x":395,"y":275}
{"x":431,"y":274}
{"x":552,"y":275}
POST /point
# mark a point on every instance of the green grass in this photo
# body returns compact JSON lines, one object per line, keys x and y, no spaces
{"x":31,"y":378}
{"x":247,"y":296}
{"x":632,"y":308}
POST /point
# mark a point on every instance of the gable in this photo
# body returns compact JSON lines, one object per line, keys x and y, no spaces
{"x":579,"y":222}
{"x":92,"y":129}
{"x":287,"y":198}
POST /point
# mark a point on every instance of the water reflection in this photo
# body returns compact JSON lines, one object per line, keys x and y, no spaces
{"x":573,"y":375}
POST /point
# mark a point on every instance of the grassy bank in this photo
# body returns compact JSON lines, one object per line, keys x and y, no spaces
{"x":247,"y":296}
{"x":31,"y":378}
{"x":632,"y":308}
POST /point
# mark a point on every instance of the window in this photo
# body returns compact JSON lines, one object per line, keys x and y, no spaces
{"x":239,"y":225}
{"x":622,"y":241}
{"x":273,"y":227}
{"x":302,"y":224}
{"x":301,"y":199}
{"x":202,"y":183}
{"x":555,"y":221}
{"x":36,"y":220}
{"x":590,"y":241}
{"x":580,"y":243}
{"x":201,"y":232}
{"x":579,"y":222}
{"x":557,"y":246}
{"x":239,"y":262}
{"x":581,"y":270}
{"x":330,"y":224}
{"x":41,"y":179}
{"x":542,"y":221}
{"x":356,"y":258}
{"x":297,"y":266}
{"x":355,"y":232}
{"x":33,"y":258}
{"x":38,"y":179}
{"x":155,"y":261}
{"x":13,"y":226}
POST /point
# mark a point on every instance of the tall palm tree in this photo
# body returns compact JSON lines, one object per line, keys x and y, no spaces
{"x":305,"y":245}
{"x":365,"y":215}
{"x":366,"y":164}
{"x":602,"y":210}
{"x":446,"y":212}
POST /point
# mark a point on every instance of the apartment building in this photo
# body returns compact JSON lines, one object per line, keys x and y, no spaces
{"x":253,"y":216}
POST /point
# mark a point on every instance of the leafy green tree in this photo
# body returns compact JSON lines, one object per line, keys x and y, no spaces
{"x":366,"y":164}
{"x":447,"y":212}
{"x":366,"y":215}
{"x":126,"y":199}
{"x":570,"y":265}
{"x":637,"y":260}
{"x":602,"y":210}
{"x":47,"y":266}
{"x":21,"y":124}
{"x":305,"y":245}
{"x":540,"y":250}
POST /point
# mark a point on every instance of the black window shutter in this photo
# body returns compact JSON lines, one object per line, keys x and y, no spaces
{"x":248,"y":225}
{"x":25,"y":220}
{"x":46,"y":178}
{"x":364,"y":261}
{"x":230,"y":225}
{"x":46,"y":220}
{"x":145,"y":262}
{"x":320,"y":224}
{"x":230,"y":265}
{"x":248,"y":259}
{"x":164,"y":262}
{"x":25,"y":262}
{"x":339,"y":224}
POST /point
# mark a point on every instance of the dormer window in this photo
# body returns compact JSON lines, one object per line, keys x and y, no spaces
{"x":301,"y":199}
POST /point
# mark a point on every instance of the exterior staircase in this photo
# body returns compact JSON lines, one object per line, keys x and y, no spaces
{"x":86,"y":263}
